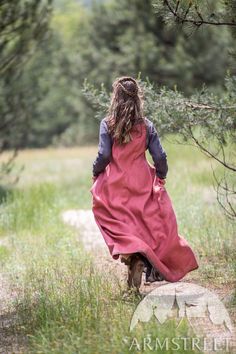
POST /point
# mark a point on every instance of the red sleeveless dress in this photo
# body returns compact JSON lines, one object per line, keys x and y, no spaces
{"x":134,"y":212}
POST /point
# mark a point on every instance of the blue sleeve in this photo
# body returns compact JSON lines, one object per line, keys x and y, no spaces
{"x":104,"y":149}
{"x":157,"y":152}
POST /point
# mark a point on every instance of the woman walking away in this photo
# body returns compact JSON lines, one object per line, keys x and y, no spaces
{"x":130,"y":203}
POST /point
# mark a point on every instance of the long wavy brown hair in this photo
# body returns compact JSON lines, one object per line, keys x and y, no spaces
{"x":126,"y":108}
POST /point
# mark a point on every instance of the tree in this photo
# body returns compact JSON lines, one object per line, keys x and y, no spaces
{"x":101,"y":42}
{"x":198,"y":13}
{"x":190,"y":15}
{"x":219,"y":121}
{"x":113,"y":43}
{"x":22,"y":25}
{"x":205,"y":119}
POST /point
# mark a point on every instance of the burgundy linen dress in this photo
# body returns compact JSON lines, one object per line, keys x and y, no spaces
{"x":134,"y":212}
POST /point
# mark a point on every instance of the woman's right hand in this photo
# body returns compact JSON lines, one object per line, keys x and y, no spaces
{"x":161,"y":181}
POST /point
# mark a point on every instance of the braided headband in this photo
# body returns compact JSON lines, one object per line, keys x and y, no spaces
{"x":132,"y":94}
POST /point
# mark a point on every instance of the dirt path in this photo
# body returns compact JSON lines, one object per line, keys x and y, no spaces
{"x":93,"y":241}
{"x":10,"y":341}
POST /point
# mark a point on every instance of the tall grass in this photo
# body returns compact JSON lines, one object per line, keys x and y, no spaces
{"x":64,"y":304}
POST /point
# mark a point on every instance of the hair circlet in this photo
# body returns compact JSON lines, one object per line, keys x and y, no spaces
{"x":132,"y":94}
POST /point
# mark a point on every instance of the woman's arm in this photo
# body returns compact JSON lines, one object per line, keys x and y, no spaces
{"x":157,"y":152}
{"x":104,"y":149}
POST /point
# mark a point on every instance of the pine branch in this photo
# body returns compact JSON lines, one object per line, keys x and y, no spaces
{"x":201,"y":21}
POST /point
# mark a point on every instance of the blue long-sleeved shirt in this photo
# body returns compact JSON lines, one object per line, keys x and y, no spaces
{"x":153,"y":144}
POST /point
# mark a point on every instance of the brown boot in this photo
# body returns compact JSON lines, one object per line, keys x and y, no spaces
{"x":126,"y":258}
{"x":135,"y":271}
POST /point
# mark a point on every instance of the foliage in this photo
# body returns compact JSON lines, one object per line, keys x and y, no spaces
{"x":205,"y":118}
{"x":195,"y":14}
{"x":23,"y":24}
{"x":198,"y":13}
{"x":191,"y":15}
{"x":99,"y":43}
{"x":44,"y":103}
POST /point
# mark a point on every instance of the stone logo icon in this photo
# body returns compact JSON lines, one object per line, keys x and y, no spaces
{"x":182,"y":300}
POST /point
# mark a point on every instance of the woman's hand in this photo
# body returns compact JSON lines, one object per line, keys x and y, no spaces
{"x":161,"y":181}
{"x":94,"y":178}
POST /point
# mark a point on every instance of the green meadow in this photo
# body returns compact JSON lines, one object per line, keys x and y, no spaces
{"x":63,"y":304}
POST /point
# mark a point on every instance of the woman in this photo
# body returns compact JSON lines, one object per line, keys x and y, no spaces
{"x":130,"y":203}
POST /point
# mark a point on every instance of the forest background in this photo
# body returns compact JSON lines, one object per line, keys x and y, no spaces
{"x":98,"y":41}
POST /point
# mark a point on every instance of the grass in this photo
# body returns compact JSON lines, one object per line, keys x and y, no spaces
{"x":63,"y":304}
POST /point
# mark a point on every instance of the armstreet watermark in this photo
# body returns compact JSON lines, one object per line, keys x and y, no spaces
{"x":204,"y":312}
{"x":201,"y":344}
